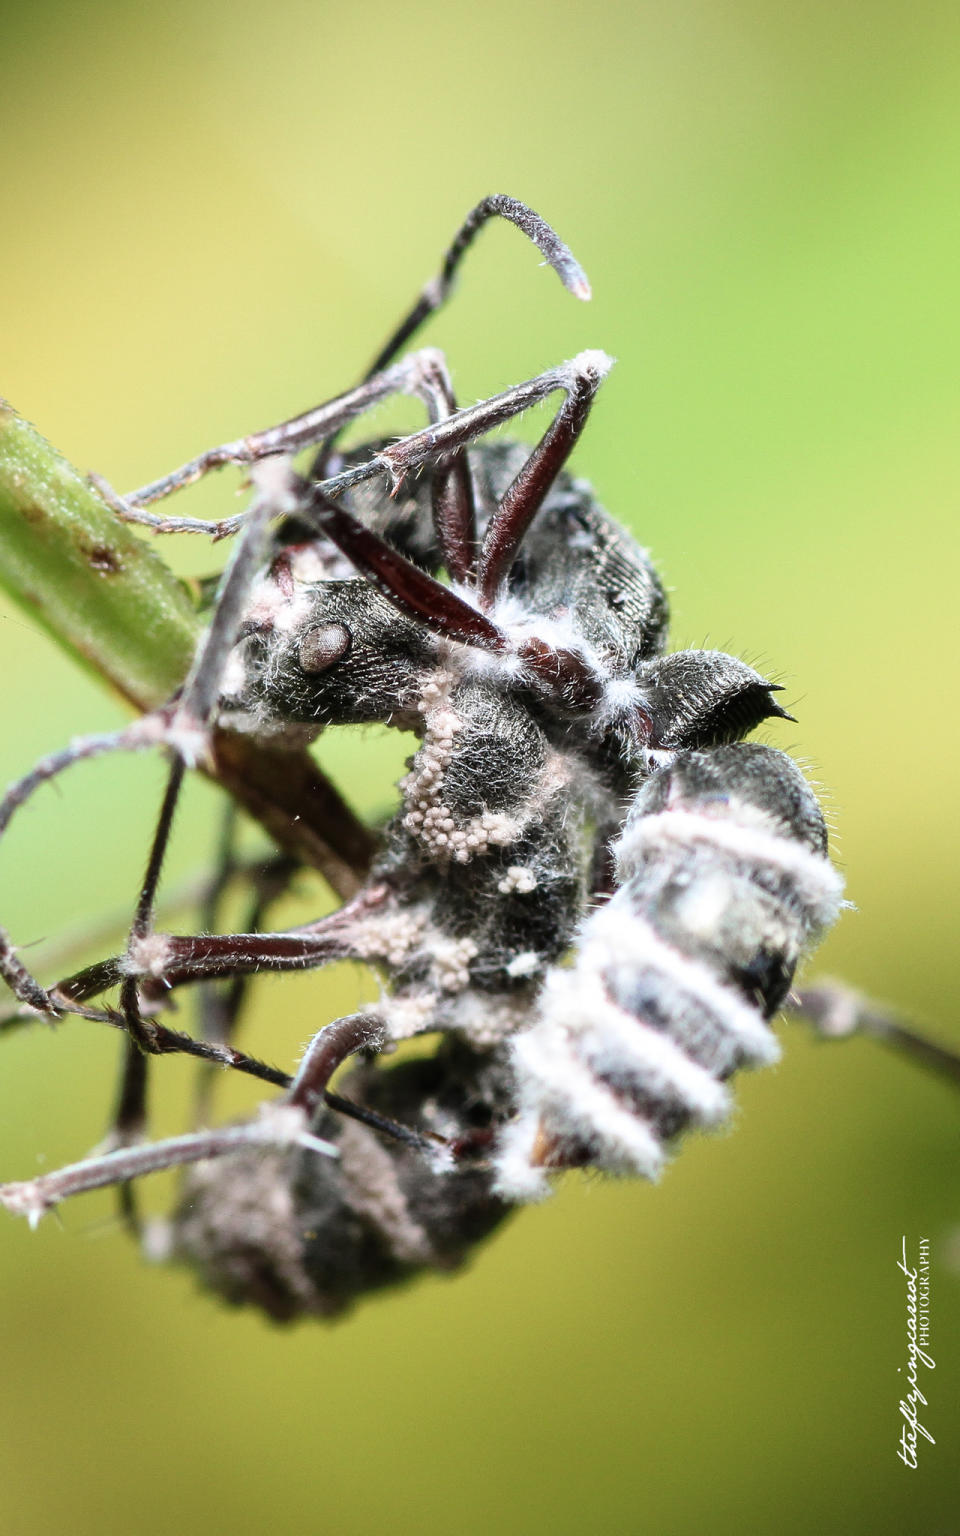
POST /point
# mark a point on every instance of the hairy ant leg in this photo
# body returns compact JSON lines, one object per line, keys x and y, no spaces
{"x":145,"y":733}
{"x":414,"y":375}
{"x":412,"y":590}
{"x":33,"y":1198}
{"x":435,"y":293}
{"x":321,"y":424}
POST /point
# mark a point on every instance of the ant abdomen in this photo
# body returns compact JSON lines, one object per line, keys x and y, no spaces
{"x":299,"y":1235}
{"x":723,"y":883}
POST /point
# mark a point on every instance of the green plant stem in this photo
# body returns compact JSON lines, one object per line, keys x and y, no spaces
{"x":100,"y":591}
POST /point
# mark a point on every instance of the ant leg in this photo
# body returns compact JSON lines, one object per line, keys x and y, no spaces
{"x":170,"y":1042}
{"x":454,"y":511}
{"x":837,"y":1012}
{"x":139,"y":1029}
{"x":419,"y":595}
{"x":148,"y":732}
{"x":288,"y":437}
{"x":328,"y":1049}
{"x":523,"y":499}
{"x":414,"y":375}
{"x":178,"y":959}
{"x":322,"y":424}
{"x":277,"y":1128}
{"x":175,"y":960}
{"x":578,"y":379}
{"x":188,"y":735}
{"x":129,"y":1118}
{"x":435,"y":293}
{"x":404,"y":584}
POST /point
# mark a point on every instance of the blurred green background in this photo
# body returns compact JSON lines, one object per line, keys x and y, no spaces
{"x":212,"y":216}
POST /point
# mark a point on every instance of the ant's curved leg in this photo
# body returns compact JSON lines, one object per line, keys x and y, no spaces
{"x":33,"y":1198}
{"x":435,"y":293}
{"x":322,"y":424}
{"x":147,"y":732}
{"x":453,"y":507}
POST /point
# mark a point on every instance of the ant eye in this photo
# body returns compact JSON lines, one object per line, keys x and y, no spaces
{"x":323,"y":647}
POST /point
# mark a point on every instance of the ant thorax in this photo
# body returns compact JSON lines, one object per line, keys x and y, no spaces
{"x":487,"y":863}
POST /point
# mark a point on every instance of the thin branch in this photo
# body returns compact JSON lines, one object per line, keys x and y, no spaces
{"x":102,"y":593}
{"x":837,"y":1012}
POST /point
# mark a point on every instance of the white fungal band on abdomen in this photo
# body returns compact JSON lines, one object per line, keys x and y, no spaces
{"x":819,"y":887}
{"x":675,"y":977}
{"x":627,"y":944}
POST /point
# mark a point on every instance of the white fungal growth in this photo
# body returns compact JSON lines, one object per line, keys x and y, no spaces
{"x":819,"y":887}
{"x":635,"y":1042}
{"x":375,"y":1195}
{"x":524,"y":965}
{"x":517,"y":879}
{"x":427,"y":815}
{"x":409,"y":1014}
{"x":234,"y":680}
{"x":617,"y":943}
{"x":487,"y":1020}
{"x":148,"y":955}
{"x":450,"y":962}
{"x":276,"y":609}
{"x":392,"y":936}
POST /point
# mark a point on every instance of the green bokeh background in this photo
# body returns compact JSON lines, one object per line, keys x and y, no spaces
{"x":212,"y":215}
